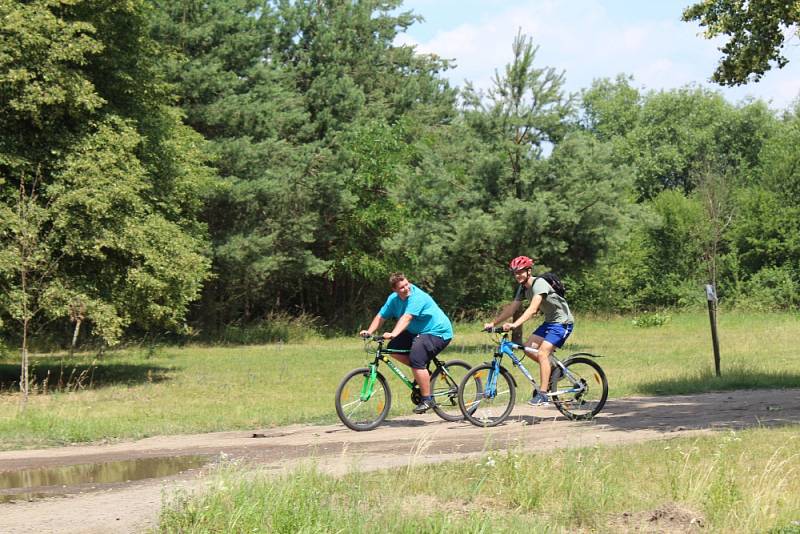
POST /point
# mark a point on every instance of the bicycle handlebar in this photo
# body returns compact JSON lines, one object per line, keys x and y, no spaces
{"x":373,"y":338}
{"x":495,"y":330}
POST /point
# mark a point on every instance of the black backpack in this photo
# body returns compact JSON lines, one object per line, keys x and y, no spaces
{"x":555,"y":282}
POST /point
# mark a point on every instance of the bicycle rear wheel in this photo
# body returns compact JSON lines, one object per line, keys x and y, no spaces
{"x":581,"y":392}
{"x":444,"y":388}
{"x":479,"y":406}
{"x":358,"y":414}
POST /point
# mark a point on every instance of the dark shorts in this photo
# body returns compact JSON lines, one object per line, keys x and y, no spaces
{"x":423,"y":347}
{"x":555,"y":333}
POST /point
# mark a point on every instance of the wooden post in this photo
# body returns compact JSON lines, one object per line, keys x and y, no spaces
{"x":712,"y":317}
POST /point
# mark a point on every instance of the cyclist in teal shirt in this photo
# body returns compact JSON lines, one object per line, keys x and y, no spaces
{"x":422,"y":327}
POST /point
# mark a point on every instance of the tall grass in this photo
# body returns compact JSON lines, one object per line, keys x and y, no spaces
{"x":746,"y":481}
{"x":135,"y":393}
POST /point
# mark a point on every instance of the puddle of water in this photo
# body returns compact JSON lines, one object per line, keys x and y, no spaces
{"x":29,"y":484}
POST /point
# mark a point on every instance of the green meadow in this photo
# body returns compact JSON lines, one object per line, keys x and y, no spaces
{"x":133,"y":393}
{"x":746,"y":482}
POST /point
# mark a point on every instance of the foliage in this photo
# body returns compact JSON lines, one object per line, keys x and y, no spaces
{"x":672,"y":268}
{"x":505,"y":197}
{"x":681,"y":129}
{"x":756,"y":30}
{"x":771,"y":288}
{"x":524,"y":109}
{"x":711,"y":154}
{"x":766,"y":233}
{"x":119,"y":178}
{"x":649,"y":320}
{"x":307,"y":106}
{"x":275,"y":328}
{"x":227,"y":162}
{"x":611,"y":109}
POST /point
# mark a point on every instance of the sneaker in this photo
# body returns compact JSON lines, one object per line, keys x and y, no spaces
{"x":423,"y":406}
{"x":539,"y":399}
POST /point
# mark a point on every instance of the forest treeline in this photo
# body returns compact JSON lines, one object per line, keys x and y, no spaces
{"x":203,"y":167}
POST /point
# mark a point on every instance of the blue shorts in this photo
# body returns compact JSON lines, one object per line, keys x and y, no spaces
{"x":555,"y":333}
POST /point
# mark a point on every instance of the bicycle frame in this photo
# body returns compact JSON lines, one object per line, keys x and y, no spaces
{"x":506,"y":347}
{"x":381,"y":355}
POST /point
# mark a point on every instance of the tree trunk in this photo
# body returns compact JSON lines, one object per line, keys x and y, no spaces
{"x":24,"y":380}
{"x":75,"y":337}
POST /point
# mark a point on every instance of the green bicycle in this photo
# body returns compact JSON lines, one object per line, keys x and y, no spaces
{"x":363,"y":398}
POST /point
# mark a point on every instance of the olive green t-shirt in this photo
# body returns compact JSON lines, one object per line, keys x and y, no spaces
{"x":554,"y":307}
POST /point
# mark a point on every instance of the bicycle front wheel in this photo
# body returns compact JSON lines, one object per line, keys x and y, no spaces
{"x":444,"y":388}
{"x":357,"y":413}
{"x":480,"y":405}
{"x":581,"y":391}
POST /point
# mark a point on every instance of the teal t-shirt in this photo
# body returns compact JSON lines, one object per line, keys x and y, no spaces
{"x":428,"y":317}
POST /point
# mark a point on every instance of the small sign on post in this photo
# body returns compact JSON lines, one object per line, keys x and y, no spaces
{"x":711,"y":295}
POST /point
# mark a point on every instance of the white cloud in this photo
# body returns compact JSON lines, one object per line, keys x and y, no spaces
{"x":588,"y":41}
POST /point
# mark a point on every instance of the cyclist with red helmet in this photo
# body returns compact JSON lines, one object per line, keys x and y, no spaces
{"x":552,"y":333}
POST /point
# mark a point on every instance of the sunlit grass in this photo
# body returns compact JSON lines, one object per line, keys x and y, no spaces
{"x":746,"y":481}
{"x":141,"y":393}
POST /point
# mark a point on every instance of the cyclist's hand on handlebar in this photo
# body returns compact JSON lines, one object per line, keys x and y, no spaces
{"x":387,"y":335}
{"x":487,"y":327}
{"x":371,"y":337}
{"x":507,"y":327}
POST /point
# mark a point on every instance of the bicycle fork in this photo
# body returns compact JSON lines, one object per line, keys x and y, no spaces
{"x":369,"y":383}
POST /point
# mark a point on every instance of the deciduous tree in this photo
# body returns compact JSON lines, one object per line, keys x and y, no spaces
{"x":119,"y":178}
{"x":757,"y":32}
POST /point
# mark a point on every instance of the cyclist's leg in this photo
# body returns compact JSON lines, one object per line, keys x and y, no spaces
{"x":423,"y":349}
{"x":546,"y":338}
{"x":545,"y":350}
{"x":402,"y":341}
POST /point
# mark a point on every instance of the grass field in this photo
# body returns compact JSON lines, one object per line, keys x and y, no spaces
{"x":746,"y":481}
{"x":130,"y":394}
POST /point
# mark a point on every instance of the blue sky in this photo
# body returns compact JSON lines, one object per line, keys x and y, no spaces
{"x":588,"y":39}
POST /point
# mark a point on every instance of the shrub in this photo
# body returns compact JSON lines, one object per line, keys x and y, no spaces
{"x":770,"y":289}
{"x":648,"y":320}
{"x":277,"y":327}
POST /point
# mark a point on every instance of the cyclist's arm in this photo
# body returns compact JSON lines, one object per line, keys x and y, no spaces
{"x":373,"y":326}
{"x":527,"y":314}
{"x":402,"y":324}
{"x":509,"y":310}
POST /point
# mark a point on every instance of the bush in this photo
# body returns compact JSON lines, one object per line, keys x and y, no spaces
{"x":770,"y":289}
{"x":273,"y":328}
{"x":649,"y":320}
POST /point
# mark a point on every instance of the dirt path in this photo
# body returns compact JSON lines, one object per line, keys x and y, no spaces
{"x":134,"y":507}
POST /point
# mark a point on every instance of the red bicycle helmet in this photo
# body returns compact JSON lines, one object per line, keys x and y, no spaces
{"x":519,"y":263}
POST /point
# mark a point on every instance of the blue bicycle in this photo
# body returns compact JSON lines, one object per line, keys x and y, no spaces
{"x":487,"y":393}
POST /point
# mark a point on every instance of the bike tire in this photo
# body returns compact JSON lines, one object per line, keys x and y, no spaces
{"x":585,"y":404}
{"x":355,"y":413}
{"x":444,"y":389}
{"x":479,"y":409}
